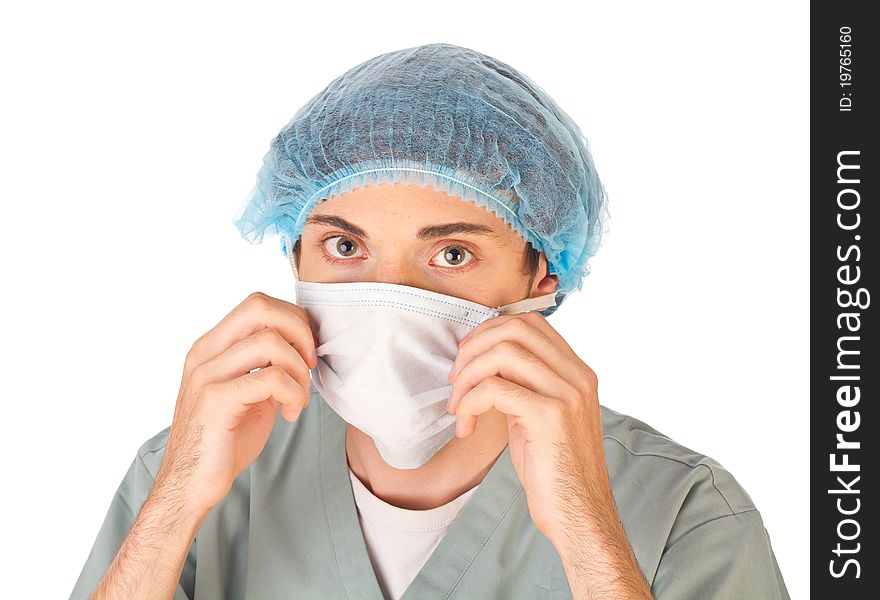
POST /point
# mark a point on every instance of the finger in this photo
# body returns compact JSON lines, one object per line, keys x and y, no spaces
{"x":235,"y":397}
{"x":256,"y":312}
{"x":512,"y":362}
{"x":258,"y":350}
{"x":524,"y":406}
{"x":524,"y":333}
{"x":534,"y":318}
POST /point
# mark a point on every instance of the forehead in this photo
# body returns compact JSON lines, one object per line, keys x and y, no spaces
{"x":373,"y":207}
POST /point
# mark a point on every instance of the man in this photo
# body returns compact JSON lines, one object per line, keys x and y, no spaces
{"x":433,"y":173}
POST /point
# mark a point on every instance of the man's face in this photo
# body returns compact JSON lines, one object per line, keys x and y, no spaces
{"x":420,"y":237}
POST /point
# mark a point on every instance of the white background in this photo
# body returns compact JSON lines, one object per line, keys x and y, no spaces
{"x":130,"y":135}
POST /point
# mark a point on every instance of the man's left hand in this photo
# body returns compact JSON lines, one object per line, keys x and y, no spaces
{"x":523,"y":367}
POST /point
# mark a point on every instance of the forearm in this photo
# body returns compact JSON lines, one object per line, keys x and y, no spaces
{"x":149,"y":562}
{"x":608,"y":571}
{"x":597,"y":556}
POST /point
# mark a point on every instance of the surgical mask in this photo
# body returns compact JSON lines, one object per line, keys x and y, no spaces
{"x":384,"y":355}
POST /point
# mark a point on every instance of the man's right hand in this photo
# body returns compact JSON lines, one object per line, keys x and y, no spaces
{"x":225,"y":412}
{"x":222,"y":421}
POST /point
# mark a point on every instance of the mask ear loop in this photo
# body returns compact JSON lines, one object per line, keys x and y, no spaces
{"x":528,"y":304}
{"x":288,"y":250}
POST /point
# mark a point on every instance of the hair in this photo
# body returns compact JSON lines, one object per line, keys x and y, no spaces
{"x":530,"y":261}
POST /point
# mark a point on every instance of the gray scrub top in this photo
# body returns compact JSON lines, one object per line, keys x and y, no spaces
{"x":289,"y":527}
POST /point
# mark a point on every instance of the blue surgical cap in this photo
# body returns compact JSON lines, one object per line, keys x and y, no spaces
{"x":447,"y":117}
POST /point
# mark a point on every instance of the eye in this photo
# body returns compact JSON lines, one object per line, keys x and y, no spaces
{"x":455,"y":256}
{"x":341,"y":246}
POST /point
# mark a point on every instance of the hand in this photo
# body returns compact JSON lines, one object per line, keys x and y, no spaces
{"x":225,"y":413}
{"x":521,"y":366}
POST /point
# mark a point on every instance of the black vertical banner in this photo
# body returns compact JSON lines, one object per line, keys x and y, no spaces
{"x":844,"y":367}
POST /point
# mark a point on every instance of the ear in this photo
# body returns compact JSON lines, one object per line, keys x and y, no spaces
{"x":544,"y":282}
{"x":547,"y":285}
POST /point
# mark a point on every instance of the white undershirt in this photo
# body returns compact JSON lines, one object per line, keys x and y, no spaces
{"x":399,"y":541}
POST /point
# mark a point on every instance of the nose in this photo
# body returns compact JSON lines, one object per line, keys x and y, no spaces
{"x":394,"y":271}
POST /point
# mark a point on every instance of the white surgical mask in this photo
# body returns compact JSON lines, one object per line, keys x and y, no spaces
{"x":384,"y":355}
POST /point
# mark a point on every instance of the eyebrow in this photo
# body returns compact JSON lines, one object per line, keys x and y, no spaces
{"x":425,"y":233}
